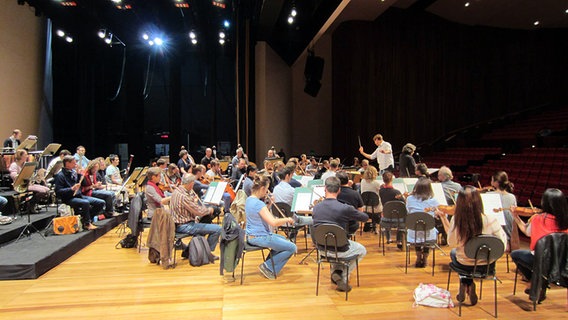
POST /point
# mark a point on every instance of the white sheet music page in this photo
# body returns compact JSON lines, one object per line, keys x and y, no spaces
{"x":439,"y":193}
{"x":219,"y":190}
{"x":302,"y":201}
{"x":210,"y":191}
{"x":491,"y":203}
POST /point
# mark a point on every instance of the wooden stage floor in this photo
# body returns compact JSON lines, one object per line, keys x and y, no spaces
{"x":101,"y":282}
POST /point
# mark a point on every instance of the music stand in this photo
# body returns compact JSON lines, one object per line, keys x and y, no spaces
{"x":50,"y":150}
{"x":141,"y":178}
{"x":56,"y":167}
{"x":21,"y":186}
{"x":28,"y":143}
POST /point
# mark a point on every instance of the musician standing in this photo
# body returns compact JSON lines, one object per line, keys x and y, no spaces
{"x":13,"y":141}
{"x":383,"y":154}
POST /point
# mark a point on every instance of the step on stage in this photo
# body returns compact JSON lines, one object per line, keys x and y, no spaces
{"x":32,"y":256}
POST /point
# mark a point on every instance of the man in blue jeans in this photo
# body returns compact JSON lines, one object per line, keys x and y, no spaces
{"x":3,"y":202}
{"x":187,"y":209}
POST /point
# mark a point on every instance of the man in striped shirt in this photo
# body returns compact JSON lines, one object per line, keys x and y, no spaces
{"x":187,"y":210}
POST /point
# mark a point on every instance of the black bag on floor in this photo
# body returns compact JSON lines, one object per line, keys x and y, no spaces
{"x":130,"y":241}
{"x":199,"y":252}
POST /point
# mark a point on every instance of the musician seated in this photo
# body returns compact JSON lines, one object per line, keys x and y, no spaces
{"x":112,"y":175}
{"x":206,"y":160}
{"x":271,"y":154}
{"x":259,"y":233}
{"x":249,"y":181}
{"x":185,"y":163}
{"x":92,"y":187}
{"x":332,"y":211}
{"x":353,"y":198}
{"x":333,"y":167}
{"x":121,"y":194}
{"x":421,"y":171}
{"x":54,"y":161}
{"x":388,"y":193}
{"x":40,"y":193}
{"x":200,"y":188}
{"x":173,"y":174}
{"x":187,"y":211}
{"x":323,"y":167}
{"x":238,"y":171}
{"x":240,"y":155}
{"x":312,"y":167}
{"x":293,"y":165}
{"x":215,"y":171}
{"x":164,"y":182}
{"x":364,"y":165}
{"x":155,"y":197}
{"x":284,"y":192}
{"x":68,"y":189}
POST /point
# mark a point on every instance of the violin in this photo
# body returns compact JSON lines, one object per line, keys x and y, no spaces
{"x":402,"y":196}
{"x":484,"y":189}
{"x":521,"y":211}
{"x":203,"y":179}
{"x":445,"y":209}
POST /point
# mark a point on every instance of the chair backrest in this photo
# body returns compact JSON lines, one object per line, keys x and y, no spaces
{"x":485,"y":249}
{"x":329,"y":237}
{"x":370,"y":199}
{"x":551,"y":260}
{"x":420,"y":221}
{"x":284,"y":207}
{"x":394,"y":210}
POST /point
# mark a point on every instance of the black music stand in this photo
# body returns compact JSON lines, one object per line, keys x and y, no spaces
{"x":58,"y":165}
{"x":21,"y":186}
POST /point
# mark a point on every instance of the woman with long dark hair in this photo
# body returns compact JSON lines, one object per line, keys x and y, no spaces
{"x":468,"y":222}
{"x":553,"y":219}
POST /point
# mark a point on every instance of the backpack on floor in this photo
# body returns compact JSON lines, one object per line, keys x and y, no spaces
{"x":432,"y":296}
{"x":199,"y":252}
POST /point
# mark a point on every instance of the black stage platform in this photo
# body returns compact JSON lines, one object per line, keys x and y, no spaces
{"x":33,"y":256}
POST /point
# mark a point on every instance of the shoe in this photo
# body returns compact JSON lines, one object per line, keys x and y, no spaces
{"x":542,"y":296}
{"x":461,"y":295}
{"x":472,"y":294}
{"x":336,"y":276}
{"x":179,"y":244}
{"x":342,"y":286}
{"x":215,"y":258}
{"x":265,"y":272}
{"x":399,"y":245}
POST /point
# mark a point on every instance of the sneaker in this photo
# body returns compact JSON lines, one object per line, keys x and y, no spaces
{"x":115,"y":214}
{"x":336,"y":276}
{"x":265,"y":272}
{"x":399,"y":245}
{"x":342,"y":286}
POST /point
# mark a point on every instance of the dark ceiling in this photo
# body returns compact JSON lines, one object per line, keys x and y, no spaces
{"x":128,"y":19}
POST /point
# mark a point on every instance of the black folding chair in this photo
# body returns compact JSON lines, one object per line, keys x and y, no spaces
{"x":420,"y":222}
{"x":393,"y":211}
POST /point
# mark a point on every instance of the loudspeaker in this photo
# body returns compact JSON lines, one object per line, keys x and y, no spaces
{"x":313,"y":72}
{"x":314,"y":68}
{"x":312,"y":87}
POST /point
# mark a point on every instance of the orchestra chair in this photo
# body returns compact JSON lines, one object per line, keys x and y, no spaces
{"x":287,"y":211}
{"x":178,"y":244}
{"x":370,"y":199}
{"x":483,"y":249}
{"x":250,"y":248}
{"x":393,"y":210}
{"x":420,"y":222}
{"x":327,"y":239}
{"x":551,"y":249}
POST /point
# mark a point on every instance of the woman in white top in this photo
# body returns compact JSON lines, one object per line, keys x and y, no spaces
{"x":369,"y":183}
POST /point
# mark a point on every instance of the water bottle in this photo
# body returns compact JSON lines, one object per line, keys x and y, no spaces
{"x":95,"y":218}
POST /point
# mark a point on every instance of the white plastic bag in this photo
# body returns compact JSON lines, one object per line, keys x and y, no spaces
{"x":432,"y":296}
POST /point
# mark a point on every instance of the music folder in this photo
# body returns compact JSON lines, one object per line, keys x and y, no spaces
{"x":56,"y":167}
{"x":23,"y":179}
{"x":215,"y":192}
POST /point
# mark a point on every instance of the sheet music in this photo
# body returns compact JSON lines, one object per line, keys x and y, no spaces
{"x":302,"y":199}
{"x":439,"y":193}
{"x":399,"y":186}
{"x":218,"y":194}
{"x":492,"y":201}
{"x":210,"y":191}
{"x":318,"y":192}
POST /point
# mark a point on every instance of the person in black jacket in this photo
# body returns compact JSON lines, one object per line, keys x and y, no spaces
{"x":68,"y":189}
{"x":406,"y":162}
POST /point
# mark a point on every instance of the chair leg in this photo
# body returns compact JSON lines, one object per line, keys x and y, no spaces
{"x":515,"y":283}
{"x":407,"y":258}
{"x":318,"y":278}
{"x":495,"y":296}
{"x":480,"y":289}
{"x":507,"y":260}
{"x":243,"y":265}
{"x":433,"y":260}
{"x":449,"y":274}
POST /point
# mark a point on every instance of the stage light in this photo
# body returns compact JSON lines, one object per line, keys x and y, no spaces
{"x":293,"y":13}
{"x":101,"y":33}
{"x":192,"y":35}
{"x":290,"y":20}
{"x":222,"y":41}
{"x":226,"y":23}
{"x":194,"y":41}
{"x":145,"y":36}
{"x":108,"y":40}
{"x":158,"y":41}
{"x":151,"y":43}
{"x":221,"y":34}
{"x":466,"y":4}
{"x":69,"y":39}
{"x":116,"y":1}
{"x":536,"y":23}
{"x":60,"y":33}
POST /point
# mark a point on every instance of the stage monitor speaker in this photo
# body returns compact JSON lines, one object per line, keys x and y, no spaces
{"x":314,"y":68}
{"x":312,"y":87}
